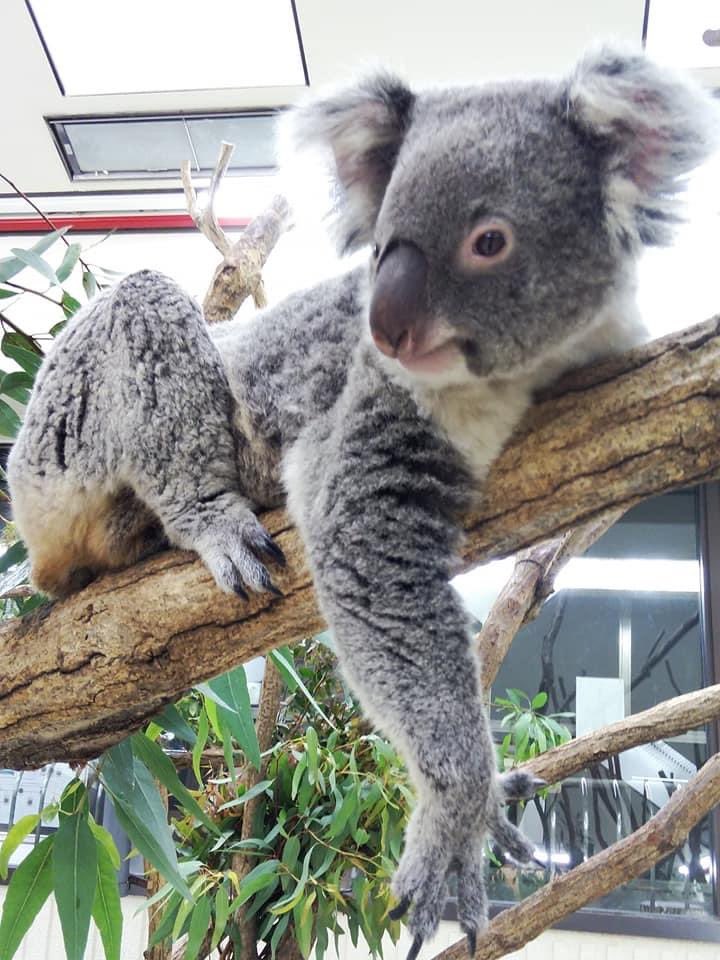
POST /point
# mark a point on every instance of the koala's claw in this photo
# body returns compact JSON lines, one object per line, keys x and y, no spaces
{"x":400,"y":909}
{"x":471,"y":941}
{"x":272,"y":551}
{"x":415,"y":948}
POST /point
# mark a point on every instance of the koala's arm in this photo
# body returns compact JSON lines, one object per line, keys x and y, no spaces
{"x":376,"y":490}
{"x":128,"y":443}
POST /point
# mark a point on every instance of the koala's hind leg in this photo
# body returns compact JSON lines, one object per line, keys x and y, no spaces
{"x":134,"y":398}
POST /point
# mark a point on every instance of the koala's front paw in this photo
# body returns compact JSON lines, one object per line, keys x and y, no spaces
{"x":234,"y":547}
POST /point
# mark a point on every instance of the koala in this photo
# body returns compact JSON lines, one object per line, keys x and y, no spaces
{"x":503,"y":225}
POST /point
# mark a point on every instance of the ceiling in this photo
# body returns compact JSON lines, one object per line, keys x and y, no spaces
{"x":426,"y":42}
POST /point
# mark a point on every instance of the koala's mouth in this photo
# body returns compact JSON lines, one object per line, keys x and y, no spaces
{"x":435,"y":359}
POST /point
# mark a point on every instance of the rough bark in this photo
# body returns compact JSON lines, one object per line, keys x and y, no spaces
{"x":80,"y":675}
{"x":624,"y":860}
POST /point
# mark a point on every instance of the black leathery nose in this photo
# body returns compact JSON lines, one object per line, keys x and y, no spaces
{"x":398,"y":305}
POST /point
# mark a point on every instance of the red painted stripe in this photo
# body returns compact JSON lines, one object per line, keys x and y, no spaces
{"x":117,"y":221}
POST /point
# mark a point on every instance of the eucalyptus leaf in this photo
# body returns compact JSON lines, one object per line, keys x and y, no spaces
{"x":106,"y":909}
{"x":259,"y":877}
{"x":231,"y":694}
{"x":29,"y":888}
{"x":72,"y":255}
{"x":141,"y":811}
{"x":29,"y":360}
{"x":15,"y":836}
{"x":33,"y":260}
{"x":10,"y":422}
{"x":222,"y":912}
{"x":75,"y":874}
{"x":199,"y":923}
{"x":172,"y":720}
{"x":17,"y":553}
{"x":163,"y":769}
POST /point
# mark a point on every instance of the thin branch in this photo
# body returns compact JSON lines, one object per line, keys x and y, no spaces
{"x":668,"y":719}
{"x":204,"y":218}
{"x":596,"y":877}
{"x":39,"y":212}
{"x":530,"y":584}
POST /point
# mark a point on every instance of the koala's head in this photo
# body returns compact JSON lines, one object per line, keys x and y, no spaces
{"x":503,"y":219}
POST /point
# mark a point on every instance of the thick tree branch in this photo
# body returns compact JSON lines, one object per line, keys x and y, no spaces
{"x":594,"y":878}
{"x":80,"y":675}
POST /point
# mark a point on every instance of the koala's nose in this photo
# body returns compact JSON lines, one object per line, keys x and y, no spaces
{"x":398,"y":307}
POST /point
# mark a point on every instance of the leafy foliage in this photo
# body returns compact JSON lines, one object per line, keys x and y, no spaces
{"x":530,"y":731}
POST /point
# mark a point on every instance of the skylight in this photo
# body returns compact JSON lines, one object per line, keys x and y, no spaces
{"x":102,"y":47}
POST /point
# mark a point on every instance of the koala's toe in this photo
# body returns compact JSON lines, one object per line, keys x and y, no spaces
{"x":520,"y":785}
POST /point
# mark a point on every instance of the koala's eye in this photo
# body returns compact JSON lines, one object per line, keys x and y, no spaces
{"x":487,"y":244}
{"x":490,"y":243}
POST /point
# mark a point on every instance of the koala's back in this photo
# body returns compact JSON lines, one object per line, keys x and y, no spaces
{"x":286,"y":367}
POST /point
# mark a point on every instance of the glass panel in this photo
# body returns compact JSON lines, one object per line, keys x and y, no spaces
{"x":253,"y":136}
{"x":623,"y":637}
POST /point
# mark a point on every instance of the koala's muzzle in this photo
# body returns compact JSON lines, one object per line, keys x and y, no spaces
{"x":398,"y":308}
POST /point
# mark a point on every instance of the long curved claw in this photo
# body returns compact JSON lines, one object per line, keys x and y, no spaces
{"x":400,"y":909}
{"x":415,"y":948}
{"x":472,"y":942}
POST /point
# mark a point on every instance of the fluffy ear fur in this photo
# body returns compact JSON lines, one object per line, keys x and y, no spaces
{"x":653,"y":127}
{"x":357,"y":133}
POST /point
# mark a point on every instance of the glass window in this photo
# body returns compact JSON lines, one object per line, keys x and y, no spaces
{"x":623,"y":634}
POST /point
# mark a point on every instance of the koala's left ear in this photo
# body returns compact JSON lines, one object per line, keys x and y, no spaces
{"x":652,"y":126}
{"x":358,"y":133}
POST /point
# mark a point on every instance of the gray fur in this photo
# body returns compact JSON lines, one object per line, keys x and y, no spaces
{"x":139,"y":404}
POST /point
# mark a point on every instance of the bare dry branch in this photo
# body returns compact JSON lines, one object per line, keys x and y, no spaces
{"x":80,"y":675}
{"x":597,"y":876}
{"x":204,"y":218}
{"x":529,"y":586}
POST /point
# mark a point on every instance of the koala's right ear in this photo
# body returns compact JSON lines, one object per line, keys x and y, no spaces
{"x":358,"y":133}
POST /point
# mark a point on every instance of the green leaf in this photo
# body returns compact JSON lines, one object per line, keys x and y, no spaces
{"x":163,"y":769}
{"x":72,"y":255}
{"x":170,"y":909}
{"x":303,"y":922}
{"x":28,"y":890}
{"x":287,"y":670}
{"x":172,"y":720}
{"x":9,"y":266}
{"x":286,"y":903}
{"x":9,"y":421}
{"x":231,"y":694}
{"x":17,"y":385}
{"x":46,"y":241}
{"x":347,"y":809}
{"x":141,"y":811}
{"x":27,"y":359}
{"x":254,"y":791}
{"x":6,"y":294}
{"x":539,"y":700}
{"x":104,"y":837}
{"x":259,"y":877}
{"x":199,"y":923}
{"x":202,"y":736}
{"x":74,"y":873}
{"x":278,"y":933}
{"x":89,"y":284}
{"x":106,"y":909}
{"x":70,"y":307}
{"x":15,"y":836}
{"x":222,"y":912}
{"x":13,"y":555}
{"x":31,"y":259}
{"x":311,"y":746}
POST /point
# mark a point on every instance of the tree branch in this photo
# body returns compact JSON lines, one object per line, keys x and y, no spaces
{"x":80,"y":675}
{"x":529,"y":586}
{"x":624,"y":860}
{"x":239,"y":275}
{"x":668,"y":719}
